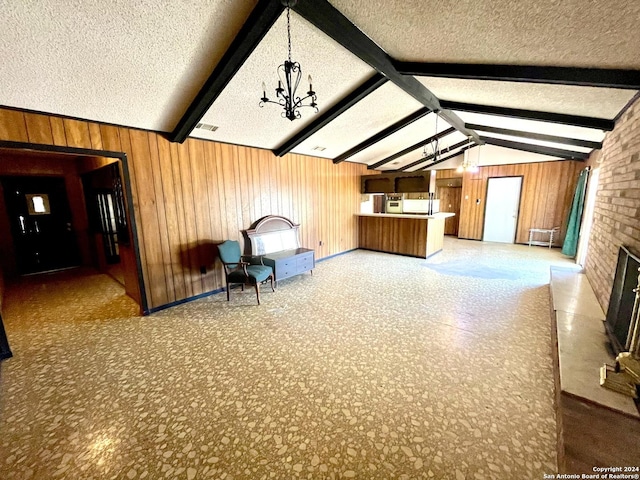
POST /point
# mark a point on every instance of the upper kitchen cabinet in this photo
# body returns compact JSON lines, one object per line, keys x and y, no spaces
{"x":376,"y":184}
{"x":396,"y":182}
{"x":455,"y":182}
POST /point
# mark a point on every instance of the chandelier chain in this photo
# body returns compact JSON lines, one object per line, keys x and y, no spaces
{"x":289,"y":30}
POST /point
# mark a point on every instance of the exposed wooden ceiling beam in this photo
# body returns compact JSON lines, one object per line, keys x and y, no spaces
{"x":328,"y":19}
{"x":422,"y":143}
{"x":260,"y":21}
{"x":432,"y":156}
{"x":586,"y":77}
{"x":528,"y":147}
{"x":409,"y":119}
{"x":578,"y":121}
{"x":576,"y":142}
{"x":328,"y":115}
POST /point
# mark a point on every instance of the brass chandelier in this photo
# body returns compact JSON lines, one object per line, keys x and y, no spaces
{"x":469,"y":165}
{"x":289,"y":74}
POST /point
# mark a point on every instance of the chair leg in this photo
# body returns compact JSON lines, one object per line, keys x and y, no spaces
{"x":271,"y":278}
{"x":257,"y":285}
{"x":228,"y":290}
{"x":243,"y":287}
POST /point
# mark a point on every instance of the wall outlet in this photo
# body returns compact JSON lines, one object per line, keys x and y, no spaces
{"x":321,"y":243}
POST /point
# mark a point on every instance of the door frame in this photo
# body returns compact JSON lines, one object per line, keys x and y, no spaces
{"x":25,"y":146}
{"x":486,"y":195}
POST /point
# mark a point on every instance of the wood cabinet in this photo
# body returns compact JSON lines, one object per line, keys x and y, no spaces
{"x":377,"y":184}
{"x":289,"y":263}
{"x":412,"y":235}
{"x":396,"y":182}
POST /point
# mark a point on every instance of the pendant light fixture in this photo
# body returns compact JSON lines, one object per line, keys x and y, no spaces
{"x":434,"y":144}
{"x":289,"y":74}
{"x":469,"y":165}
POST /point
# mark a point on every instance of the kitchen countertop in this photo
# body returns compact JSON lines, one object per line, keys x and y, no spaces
{"x":409,"y":215}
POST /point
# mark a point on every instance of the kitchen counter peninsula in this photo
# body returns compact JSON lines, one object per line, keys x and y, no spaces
{"x":415,"y":235}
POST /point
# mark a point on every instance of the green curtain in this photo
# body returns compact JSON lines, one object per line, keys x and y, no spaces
{"x":570,"y":245}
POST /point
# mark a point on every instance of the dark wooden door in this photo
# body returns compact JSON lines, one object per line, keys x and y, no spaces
{"x":450,"y":198}
{"x":41,"y":226}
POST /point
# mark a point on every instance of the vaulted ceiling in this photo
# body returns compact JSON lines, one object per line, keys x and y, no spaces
{"x":530,"y":81}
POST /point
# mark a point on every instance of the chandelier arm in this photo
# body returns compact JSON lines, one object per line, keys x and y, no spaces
{"x":262,"y":102}
{"x":299,"y":101}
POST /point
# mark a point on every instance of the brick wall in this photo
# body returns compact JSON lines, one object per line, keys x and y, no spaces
{"x":616,"y":219}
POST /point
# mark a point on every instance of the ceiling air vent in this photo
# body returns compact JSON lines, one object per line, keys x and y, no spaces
{"x":206,"y":126}
{"x":319,"y":149}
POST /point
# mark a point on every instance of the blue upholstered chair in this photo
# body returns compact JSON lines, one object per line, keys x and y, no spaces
{"x":237,"y":270}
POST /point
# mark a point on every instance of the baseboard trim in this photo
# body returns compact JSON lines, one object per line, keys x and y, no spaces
{"x":335,"y":255}
{"x":219,"y":290}
{"x":184,"y":300}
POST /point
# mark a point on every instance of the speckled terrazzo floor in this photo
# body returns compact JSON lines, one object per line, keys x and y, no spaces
{"x":377,"y":366}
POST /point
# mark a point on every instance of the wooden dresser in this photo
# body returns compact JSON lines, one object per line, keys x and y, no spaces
{"x":288,"y":263}
{"x":275,"y":239}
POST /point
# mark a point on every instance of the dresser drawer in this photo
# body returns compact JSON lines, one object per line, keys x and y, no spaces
{"x":285,"y":273}
{"x":305,"y":263}
{"x":290,"y":263}
{"x":286,"y":264}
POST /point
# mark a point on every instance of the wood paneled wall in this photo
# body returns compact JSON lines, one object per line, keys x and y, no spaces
{"x":547,"y":192}
{"x":447,"y":173}
{"x":189,"y":196}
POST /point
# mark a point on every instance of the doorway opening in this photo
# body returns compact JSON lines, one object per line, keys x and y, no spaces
{"x":501,"y":209}
{"x":63,"y":207}
{"x":41,"y":223}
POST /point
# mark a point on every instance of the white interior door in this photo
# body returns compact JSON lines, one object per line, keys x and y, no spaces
{"x":501,"y":213}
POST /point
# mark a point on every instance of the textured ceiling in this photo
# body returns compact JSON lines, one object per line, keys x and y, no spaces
{"x":140,"y":64}
{"x":535,"y":126}
{"x":415,"y":155}
{"x":598,"y":33}
{"x":567,"y":99}
{"x":409,"y":135}
{"x":374,"y":113}
{"x":130,"y":63}
{"x":494,"y":155}
{"x":335,"y":71}
{"x":512,"y":138}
